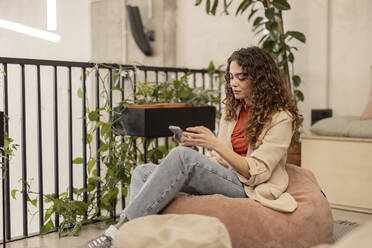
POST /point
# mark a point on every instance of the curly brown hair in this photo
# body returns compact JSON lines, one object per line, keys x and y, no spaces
{"x":270,"y":93}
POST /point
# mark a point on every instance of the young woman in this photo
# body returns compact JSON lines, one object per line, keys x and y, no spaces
{"x":248,"y":157}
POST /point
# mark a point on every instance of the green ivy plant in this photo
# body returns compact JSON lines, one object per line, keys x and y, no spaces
{"x":175,"y":91}
{"x":118,"y":154}
{"x":7,"y":151}
{"x":266,"y":17}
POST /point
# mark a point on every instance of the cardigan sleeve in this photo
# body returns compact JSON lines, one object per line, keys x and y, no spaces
{"x":274,"y":145}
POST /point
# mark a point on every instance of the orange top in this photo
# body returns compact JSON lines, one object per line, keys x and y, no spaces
{"x":238,"y":141}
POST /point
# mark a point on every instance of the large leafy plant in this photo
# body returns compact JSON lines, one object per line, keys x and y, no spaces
{"x":266,"y":17}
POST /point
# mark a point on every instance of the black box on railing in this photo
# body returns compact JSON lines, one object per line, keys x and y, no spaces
{"x":154,"y":122}
{"x":1,"y":129}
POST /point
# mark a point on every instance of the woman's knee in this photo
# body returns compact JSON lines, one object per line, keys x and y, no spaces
{"x":143,"y":171}
{"x":182,"y":151}
{"x":184,"y":156}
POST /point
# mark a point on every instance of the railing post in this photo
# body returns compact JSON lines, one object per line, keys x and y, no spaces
{"x":40,"y":149}
{"x":6,"y":191}
{"x":70,"y":139}
{"x":84,"y":140}
{"x":2,"y":173}
{"x":56,"y":150}
{"x":24,"y":154}
{"x":122,"y":85}
{"x":98,"y":144}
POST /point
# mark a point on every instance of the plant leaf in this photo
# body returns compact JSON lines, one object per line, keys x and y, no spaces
{"x":79,"y":93}
{"x":226,"y":6}
{"x":47,"y":227}
{"x":89,"y":138}
{"x":296,"y":80}
{"x":92,"y":183}
{"x":243,"y":6}
{"x":91,"y":163}
{"x":297,"y":35}
{"x":115,"y":77}
{"x":33,"y":202}
{"x":262,"y":39}
{"x":268,"y":45}
{"x":214,"y":7}
{"x":281,"y":4}
{"x":291,"y":57}
{"x":208,"y":6}
{"x":48,"y":213}
{"x":124,"y":191}
{"x":253,"y":11}
{"x":197,"y":2}
{"x":78,"y":160}
{"x":94,"y":116}
{"x":63,"y":194}
{"x":13,"y":192}
{"x":269,"y":13}
{"x":77,"y":229}
{"x":299,"y":95}
{"x":211,"y":67}
{"x":105,"y":128}
{"x":257,"y":20}
{"x":103,"y":148}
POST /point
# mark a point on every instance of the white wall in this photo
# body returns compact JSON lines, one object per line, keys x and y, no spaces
{"x":350,"y":55}
{"x":202,"y":38}
{"x":311,"y":18}
{"x":334,"y":63}
{"x":73,"y":25}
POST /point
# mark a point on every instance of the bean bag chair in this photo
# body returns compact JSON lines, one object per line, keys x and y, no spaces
{"x":250,"y":224}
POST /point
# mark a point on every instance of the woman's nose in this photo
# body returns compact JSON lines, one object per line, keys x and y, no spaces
{"x":233,"y":82}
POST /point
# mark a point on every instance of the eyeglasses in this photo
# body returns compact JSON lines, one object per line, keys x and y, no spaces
{"x":242,"y":76}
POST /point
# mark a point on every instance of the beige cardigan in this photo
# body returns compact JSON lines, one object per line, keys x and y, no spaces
{"x":269,"y":178}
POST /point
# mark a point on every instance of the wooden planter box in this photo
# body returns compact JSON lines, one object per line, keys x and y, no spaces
{"x":1,"y":129}
{"x":153,"y":120}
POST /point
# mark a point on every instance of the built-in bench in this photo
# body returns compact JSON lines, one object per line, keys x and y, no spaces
{"x":343,"y":168}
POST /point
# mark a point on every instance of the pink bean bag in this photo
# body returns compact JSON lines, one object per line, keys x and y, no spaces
{"x":252,"y":225}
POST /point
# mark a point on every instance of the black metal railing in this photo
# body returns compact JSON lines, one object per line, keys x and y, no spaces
{"x":24,"y":84}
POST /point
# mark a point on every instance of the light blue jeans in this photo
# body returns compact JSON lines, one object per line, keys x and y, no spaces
{"x":183,"y":169}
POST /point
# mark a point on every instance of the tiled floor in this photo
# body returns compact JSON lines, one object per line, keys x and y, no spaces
{"x":351,"y":216}
{"x":52,"y":240}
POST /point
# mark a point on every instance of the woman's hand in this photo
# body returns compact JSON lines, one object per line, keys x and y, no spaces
{"x":182,"y":139}
{"x":199,"y":136}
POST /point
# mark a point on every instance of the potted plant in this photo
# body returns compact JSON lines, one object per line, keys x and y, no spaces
{"x":169,"y":103}
{"x":267,"y":23}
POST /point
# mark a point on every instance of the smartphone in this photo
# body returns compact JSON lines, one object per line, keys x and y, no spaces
{"x":177,"y":131}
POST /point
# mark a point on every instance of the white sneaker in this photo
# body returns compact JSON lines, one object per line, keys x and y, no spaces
{"x":104,"y":240}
